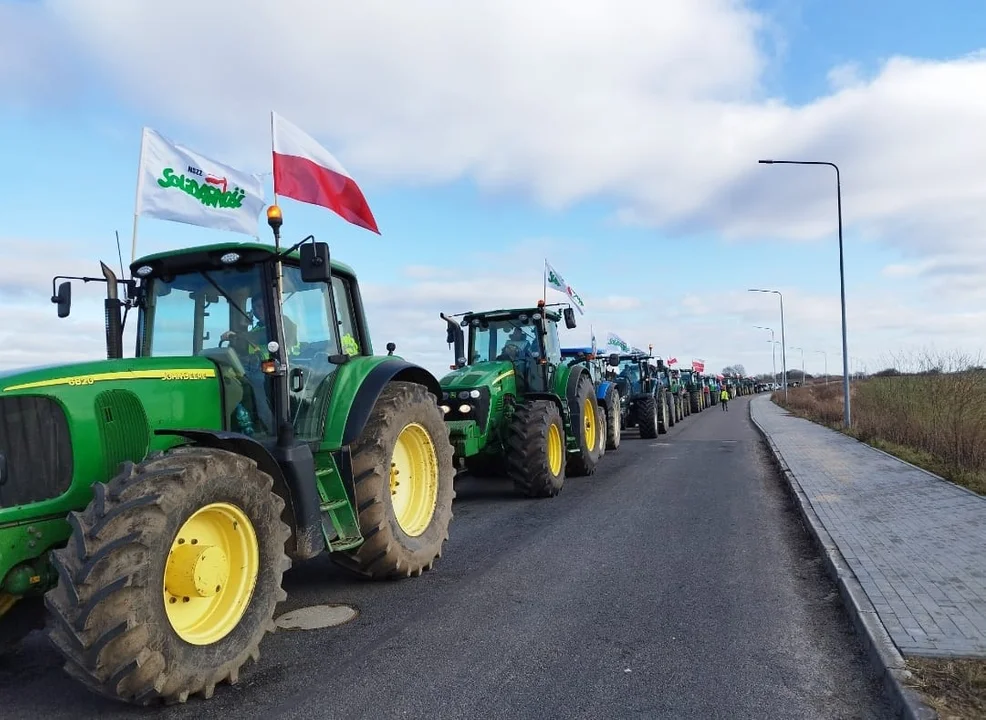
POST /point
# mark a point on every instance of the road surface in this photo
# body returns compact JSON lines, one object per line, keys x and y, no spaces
{"x":674,"y":583}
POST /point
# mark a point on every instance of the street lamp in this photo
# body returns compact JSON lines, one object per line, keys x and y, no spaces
{"x":773,"y":355}
{"x":847,"y":414}
{"x":804,"y":380}
{"x":826,"y":356}
{"x":783,"y":346}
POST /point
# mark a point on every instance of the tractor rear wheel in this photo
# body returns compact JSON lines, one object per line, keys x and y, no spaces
{"x":614,"y":416}
{"x":586,"y":428}
{"x":403,"y":471}
{"x":647,"y":413}
{"x":672,"y":413}
{"x":536,"y":449}
{"x":601,"y":432}
{"x":171,"y":576}
{"x":662,"y":421}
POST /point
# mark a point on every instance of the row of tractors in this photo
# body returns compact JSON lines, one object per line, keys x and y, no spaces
{"x":151,"y":504}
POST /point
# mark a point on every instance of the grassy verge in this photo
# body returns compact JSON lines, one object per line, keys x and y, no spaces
{"x":937,"y":422}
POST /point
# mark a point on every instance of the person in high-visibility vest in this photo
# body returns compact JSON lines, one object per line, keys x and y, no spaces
{"x":724,"y":399}
{"x":254,"y":341}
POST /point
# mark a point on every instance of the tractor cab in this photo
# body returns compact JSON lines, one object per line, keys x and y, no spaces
{"x":525,"y":338}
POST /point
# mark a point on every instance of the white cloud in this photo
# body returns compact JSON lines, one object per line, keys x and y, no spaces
{"x":656,"y":106}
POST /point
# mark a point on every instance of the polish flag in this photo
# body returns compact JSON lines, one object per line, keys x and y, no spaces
{"x":306,"y":171}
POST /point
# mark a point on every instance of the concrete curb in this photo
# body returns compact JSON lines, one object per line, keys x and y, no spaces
{"x":880,"y":647}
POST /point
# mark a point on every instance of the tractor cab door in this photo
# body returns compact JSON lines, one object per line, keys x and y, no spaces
{"x":318,"y":323}
{"x":552,"y":354}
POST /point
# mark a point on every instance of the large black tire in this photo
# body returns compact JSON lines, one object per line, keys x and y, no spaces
{"x":388,"y":552}
{"x":600,"y":432}
{"x":695,"y":404}
{"x":107,"y":615}
{"x":662,"y":420}
{"x":584,"y":462}
{"x":527,"y":449}
{"x":614,"y":417}
{"x":647,"y":416}
{"x":672,"y":410}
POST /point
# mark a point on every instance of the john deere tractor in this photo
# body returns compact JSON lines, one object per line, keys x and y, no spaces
{"x":642,"y":394}
{"x":692,"y":383}
{"x":512,"y":406}
{"x":607,"y":395}
{"x":157,"y":501}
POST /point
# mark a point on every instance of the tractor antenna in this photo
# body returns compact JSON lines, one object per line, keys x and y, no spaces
{"x":119,"y":253}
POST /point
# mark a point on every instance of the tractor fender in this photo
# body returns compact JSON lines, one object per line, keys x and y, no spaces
{"x":294,"y":482}
{"x":374,"y":383}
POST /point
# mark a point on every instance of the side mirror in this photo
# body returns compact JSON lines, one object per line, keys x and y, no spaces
{"x":569,"y":318}
{"x":63,"y":299}
{"x":613,"y":360}
{"x":390,"y":348}
{"x":315,"y":266}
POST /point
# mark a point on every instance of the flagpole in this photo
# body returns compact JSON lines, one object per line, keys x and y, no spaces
{"x":277,"y":236}
{"x":544,"y":290}
{"x":140,"y":187}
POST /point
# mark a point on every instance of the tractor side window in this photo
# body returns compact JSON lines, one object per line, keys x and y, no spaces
{"x":552,"y":346}
{"x":309,"y":342}
{"x":352,"y":343}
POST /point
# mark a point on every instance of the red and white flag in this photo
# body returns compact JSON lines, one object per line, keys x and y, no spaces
{"x":672,"y":361}
{"x":306,"y":171}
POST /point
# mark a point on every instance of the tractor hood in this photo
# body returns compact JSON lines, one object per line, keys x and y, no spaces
{"x":46,"y":378}
{"x":479,"y":375}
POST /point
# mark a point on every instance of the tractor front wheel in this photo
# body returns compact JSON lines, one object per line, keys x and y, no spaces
{"x":662,"y":422}
{"x":403,"y":471}
{"x":601,"y":432}
{"x":536,"y":449}
{"x":586,"y":428}
{"x":171,"y":576}
{"x":614,"y":415}
{"x":647,"y":413}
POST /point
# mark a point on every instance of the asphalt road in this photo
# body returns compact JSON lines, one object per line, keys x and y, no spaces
{"x":676,"y":582}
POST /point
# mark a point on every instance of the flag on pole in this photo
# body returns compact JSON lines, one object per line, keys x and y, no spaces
{"x":672,"y":361}
{"x":698,"y":365}
{"x":307,"y":172}
{"x":178,"y":184}
{"x":555,"y":281}
{"x":614,"y":340}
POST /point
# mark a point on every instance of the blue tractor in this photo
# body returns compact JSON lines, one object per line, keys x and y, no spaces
{"x":644,"y":397}
{"x":607,"y":394}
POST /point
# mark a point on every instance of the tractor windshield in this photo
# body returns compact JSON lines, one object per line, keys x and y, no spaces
{"x":509,"y":339}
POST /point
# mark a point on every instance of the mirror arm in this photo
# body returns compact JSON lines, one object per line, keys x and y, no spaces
{"x":285,"y":253}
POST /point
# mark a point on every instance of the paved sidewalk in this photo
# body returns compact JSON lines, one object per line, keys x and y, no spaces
{"x":916,"y":543}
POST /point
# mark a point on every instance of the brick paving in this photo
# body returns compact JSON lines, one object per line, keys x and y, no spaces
{"x":916,"y":543}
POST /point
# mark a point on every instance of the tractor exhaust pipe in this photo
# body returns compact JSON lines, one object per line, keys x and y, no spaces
{"x":114,"y":322}
{"x":455,"y":338}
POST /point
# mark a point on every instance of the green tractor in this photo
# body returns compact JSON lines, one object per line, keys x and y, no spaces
{"x":641,"y":392}
{"x":155,"y":502}
{"x":676,"y":394}
{"x":512,"y":406}
{"x":692,"y":384}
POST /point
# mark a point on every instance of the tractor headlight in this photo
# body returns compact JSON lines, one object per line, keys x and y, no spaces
{"x":445,"y":409}
{"x":464,"y":395}
{"x":474,"y":394}
{"x":464,"y":408}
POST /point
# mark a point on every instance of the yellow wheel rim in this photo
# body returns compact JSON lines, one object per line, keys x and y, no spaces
{"x":414,"y":479}
{"x":6,"y":602}
{"x":211,"y":572}
{"x":589,"y":421}
{"x":555,"y":449}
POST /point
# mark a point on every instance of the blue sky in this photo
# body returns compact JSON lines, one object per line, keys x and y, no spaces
{"x":71,"y":166}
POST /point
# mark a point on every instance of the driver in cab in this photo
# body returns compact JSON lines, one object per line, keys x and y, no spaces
{"x":254,"y":341}
{"x":516,"y":348}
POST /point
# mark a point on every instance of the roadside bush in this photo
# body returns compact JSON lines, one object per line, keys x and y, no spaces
{"x":933,"y":416}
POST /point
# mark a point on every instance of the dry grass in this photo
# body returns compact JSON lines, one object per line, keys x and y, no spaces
{"x":935,"y":420}
{"x":956,"y":689}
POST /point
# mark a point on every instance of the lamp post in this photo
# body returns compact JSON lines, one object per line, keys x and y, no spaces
{"x":847,"y":414}
{"x":783,"y":345}
{"x":826,"y":356}
{"x":804,"y":380}
{"x":773,"y":354}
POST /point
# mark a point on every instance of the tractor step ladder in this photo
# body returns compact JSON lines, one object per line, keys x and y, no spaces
{"x":339,"y":522}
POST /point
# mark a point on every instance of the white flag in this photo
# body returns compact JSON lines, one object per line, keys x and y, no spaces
{"x":614,"y":340}
{"x":178,"y":184}
{"x":557,"y":282}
